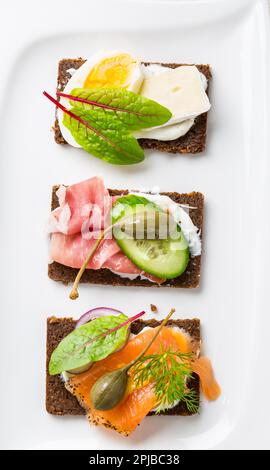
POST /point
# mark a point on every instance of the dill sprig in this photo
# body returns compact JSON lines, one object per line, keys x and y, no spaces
{"x":169,"y":373}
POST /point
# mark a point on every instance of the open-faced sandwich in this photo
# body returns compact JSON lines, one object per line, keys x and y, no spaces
{"x":118,"y":369}
{"x":127,"y":238}
{"x":113,"y":106}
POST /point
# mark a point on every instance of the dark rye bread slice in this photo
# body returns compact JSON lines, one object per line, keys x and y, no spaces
{"x":61,"y":402}
{"x":193,"y":142}
{"x":189,"y":279}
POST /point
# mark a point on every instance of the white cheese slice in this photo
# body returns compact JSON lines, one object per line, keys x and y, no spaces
{"x":181,"y":90}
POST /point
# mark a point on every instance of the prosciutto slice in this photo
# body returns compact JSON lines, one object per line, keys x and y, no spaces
{"x":84,"y":210}
{"x":82,"y":206}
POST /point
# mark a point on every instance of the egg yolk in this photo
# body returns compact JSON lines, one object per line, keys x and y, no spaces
{"x":111,"y":72}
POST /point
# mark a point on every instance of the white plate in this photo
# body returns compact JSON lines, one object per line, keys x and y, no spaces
{"x":233,"y":301}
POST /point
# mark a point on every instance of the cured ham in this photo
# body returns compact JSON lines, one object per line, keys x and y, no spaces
{"x":85,"y":204}
{"x":71,"y":250}
{"x":83,"y":212}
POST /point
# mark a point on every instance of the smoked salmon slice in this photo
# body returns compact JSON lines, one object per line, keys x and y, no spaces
{"x":203,"y":367}
{"x":137,"y":403}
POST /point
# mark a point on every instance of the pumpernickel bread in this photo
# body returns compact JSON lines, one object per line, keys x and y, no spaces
{"x":189,"y":279}
{"x":193,"y":142}
{"x":60,"y":402}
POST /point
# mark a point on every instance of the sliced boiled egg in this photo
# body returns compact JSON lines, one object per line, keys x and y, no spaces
{"x":108,"y":70}
{"x":118,"y":70}
{"x":103,"y":70}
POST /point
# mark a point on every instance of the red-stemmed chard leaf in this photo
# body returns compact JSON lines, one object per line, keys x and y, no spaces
{"x":134,"y":111}
{"x":103,"y":138}
{"x":91,"y":342}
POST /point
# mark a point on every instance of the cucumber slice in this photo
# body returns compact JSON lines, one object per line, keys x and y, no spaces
{"x":165,"y":258}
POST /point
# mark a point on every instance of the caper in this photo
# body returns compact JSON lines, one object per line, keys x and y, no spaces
{"x":109,"y":389}
{"x":145,"y":225}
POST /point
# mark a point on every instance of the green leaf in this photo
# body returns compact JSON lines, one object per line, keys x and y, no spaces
{"x":84,"y":344}
{"x":134,"y":111}
{"x":111,"y":143}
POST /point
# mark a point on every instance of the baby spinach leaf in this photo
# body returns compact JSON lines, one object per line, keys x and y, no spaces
{"x":134,"y":111}
{"x":108,"y":141}
{"x":89,"y":344}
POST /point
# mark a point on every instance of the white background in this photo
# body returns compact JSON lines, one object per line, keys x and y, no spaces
{"x":233,"y":300}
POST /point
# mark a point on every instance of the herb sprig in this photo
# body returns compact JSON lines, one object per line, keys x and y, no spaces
{"x":169,"y":372}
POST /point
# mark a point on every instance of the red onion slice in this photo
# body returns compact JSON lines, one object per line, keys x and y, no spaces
{"x":96,"y":313}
